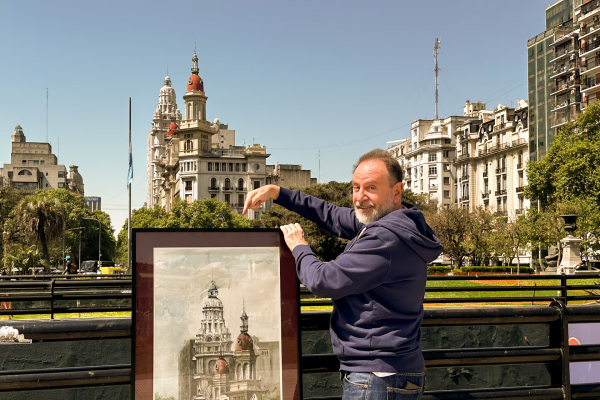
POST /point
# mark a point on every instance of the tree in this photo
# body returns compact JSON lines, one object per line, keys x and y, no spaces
{"x":510,"y":237}
{"x":24,"y":258}
{"x":461,"y":231}
{"x":40,"y":218}
{"x":9,"y":198}
{"x":208,"y":213}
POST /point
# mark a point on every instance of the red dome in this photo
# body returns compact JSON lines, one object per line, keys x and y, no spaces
{"x":170,"y":132}
{"x":173,"y":126}
{"x":195,"y":84}
{"x":221,"y":367}
{"x":243,"y":342}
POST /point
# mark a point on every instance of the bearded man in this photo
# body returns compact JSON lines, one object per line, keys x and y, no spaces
{"x":377,"y":284}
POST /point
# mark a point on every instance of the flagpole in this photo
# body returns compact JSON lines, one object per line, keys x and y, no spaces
{"x":129,"y":266}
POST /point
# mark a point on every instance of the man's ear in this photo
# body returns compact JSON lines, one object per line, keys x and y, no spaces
{"x":398,"y":189}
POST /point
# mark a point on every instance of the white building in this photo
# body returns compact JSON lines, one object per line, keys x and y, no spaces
{"x":193,"y":159}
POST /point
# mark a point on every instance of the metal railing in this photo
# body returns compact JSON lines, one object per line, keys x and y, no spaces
{"x":588,"y":8}
{"x":557,"y":354}
{"x":589,"y":47}
{"x":501,"y":192}
{"x":214,"y":188}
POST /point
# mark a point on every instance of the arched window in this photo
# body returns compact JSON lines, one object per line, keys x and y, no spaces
{"x":213,"y":183}
{"x":238,"y":372}
{"x":24,"y":172}
{"x":195,"y":111}
{"x":227,"y":184}
{"x":246,"y":371}
{"x":240,"y":184}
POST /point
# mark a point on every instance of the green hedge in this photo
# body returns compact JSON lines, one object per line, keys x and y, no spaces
{"x":522,"y":270}
{"x":438,"y":269}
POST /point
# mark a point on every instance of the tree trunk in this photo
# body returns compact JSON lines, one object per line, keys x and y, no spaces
{"x":45,"y":252}
{"x":518,"y":261}
{"x":540,"y":258}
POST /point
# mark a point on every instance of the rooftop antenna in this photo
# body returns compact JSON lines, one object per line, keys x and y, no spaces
{"x":436,"y":47}
{"x":47,"y":93}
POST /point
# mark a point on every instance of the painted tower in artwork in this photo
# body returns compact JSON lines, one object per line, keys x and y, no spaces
{"x":222,"y":369}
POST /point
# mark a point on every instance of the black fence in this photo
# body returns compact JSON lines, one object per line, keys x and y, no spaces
{"x":557,"y":354}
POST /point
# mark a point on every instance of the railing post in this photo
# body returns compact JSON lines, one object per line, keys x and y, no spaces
{"x":51,"y":298}
{"x":559,"y":338}
{"x":563,"y":291}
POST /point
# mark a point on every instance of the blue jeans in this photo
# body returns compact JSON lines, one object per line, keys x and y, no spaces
{"x":368,"y":386}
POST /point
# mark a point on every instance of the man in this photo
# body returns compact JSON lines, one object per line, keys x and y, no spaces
{"x":67,"y":265}
{"x":377,"y":284}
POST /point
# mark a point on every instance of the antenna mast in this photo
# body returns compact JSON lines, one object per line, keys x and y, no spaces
{"x":436,"y":47}
{"x":46,"y":115}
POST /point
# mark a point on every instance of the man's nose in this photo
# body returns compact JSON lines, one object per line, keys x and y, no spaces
{"x":361,"y":195}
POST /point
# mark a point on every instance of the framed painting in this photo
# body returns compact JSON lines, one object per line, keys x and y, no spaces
{"x":215,"y":316}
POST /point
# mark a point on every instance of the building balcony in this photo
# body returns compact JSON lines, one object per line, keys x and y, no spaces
{"x":562,"y":52}
{"x":588,"y":30}
{"x":241,"y":189}
{"x":485,"y":174}
{"x":559,"y":88}
{"x":563,"y":69}
{"x":485,"y":195}
{"x":433,"y":187}
{"x":588,"y":48}
{"x":462,"y":157}
{"x":501,"y":192}
{"x":503,"y":125}
{"x":586,"y":103}
{"x":214,"y":188}
{"x":500,"y":170}
{"x":501,"y":213}
{"x":520,"y":165}
{"x":560,"y":103}
{"x":590,"y":67}
{"x":464,"y":177}
{"x":520,"y":189}
{"x":464,"y":198}
{"x":591,"y":86}
{"x":560,"y":119}
{"x":589,"y":10}
{"x":519,"y":211}
{"x":228,"y":188}
{"x":518,"y":142}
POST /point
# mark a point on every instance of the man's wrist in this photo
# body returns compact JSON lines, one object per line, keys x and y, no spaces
{"x":274,"y":192}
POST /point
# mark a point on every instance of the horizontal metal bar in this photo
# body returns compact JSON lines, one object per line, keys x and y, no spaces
{"x":452,"y":358}
{"x":496,"y":394}
{"x":94,"y":282}
{"x":475,"y":277}
{"x":11,"y":298}
{"x":72,"y":329}
{"x":587,"y":313}
{"x":581,"y":287}
{"x":61,"y":276}
{"x":584,"y":353}
{"x":585,"y":297}
{"x":35,"y":311}
{"x":585,"y":391}
{"x":490,"y":288}
{"x":63,"y":378}
{"x":491,"y":299}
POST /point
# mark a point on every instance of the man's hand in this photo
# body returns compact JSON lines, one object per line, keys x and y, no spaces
{"x":259,"y":196}
{"x":294,"y":235}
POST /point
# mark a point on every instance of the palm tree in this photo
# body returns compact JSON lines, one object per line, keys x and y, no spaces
{"x":41,"y":219}
{"x":24,"y":258}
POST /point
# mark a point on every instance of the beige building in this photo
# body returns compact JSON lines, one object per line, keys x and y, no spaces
{"x":193,"y":159}
{"x":491,"y":159}
{"x":33,"y":166}
{"x":289,"y":176}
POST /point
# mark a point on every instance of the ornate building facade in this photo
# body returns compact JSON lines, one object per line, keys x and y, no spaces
{"x":33,"y":166}
{"x":191,"y":159}
{"x":214,"y":367}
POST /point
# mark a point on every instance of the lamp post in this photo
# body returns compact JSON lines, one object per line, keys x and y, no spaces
{"x":5,"y":238}
{"x":72,"y":229}
{"x":99,"y":238}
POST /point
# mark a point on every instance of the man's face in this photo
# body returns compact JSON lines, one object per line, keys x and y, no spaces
{"x":372,"y":195}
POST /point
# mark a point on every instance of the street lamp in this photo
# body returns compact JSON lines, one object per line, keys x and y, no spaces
{"x":72,"y":229}
{"x":5,"y":238}
{"x":99,"y":238}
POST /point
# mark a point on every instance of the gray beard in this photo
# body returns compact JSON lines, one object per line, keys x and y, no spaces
{"x":376,"y":215}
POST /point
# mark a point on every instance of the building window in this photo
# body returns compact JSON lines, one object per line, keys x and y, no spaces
{"x":432,"y":157}
{"x":61,"y":184}
{"x":61,"y":174}
{"x":446,"y":153}
{"x":227,"y":184}
{"x":223,"y":167}
{"x":448,"y":141}
{"x":42,"y":162}
{"x":24,"y":172}
{"x":240,"y":199}
{"x":227,"y":198}
{"x":256,"y":216}
{"x":46,"y":174}
{"x":446,"y":180}
{"x":210,"y":166}
{"x":213,"y":183}
{"x":24,"y":162}
{"x":237,"y":167}
{"x":213,"y":195}
{"x":446,"y":194}
{"x":188,"y":185}
{"x":432,"y":170}
{"x":446,"y":167}
{"x":256,"y":184}
{"x":244,"y":167}
{"x":217,"y":166}
{"x":230,"y":167}
{"x":240,"y":184}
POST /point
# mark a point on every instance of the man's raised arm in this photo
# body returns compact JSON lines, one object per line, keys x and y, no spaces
{"x":338,"y":220}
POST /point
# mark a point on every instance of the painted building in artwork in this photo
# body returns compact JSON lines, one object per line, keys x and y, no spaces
{"x":192,"y":159}
{"x":221,"y":368}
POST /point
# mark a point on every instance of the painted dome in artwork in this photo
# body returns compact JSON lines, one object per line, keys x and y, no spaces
{"x":243,"y":342}
{"x":221,"y":367}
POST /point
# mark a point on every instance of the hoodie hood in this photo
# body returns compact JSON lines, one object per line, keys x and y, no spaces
{"x":410,"y":226}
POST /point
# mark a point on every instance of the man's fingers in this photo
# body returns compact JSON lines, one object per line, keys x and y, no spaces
{"x":248,"y":203}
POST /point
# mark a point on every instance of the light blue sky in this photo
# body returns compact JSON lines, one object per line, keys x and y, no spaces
{"x":340,"y":76}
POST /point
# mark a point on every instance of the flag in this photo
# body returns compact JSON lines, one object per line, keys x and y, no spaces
{"x":130,"y":172}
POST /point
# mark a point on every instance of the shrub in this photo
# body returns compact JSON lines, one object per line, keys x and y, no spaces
{"x":522,"y":270}
{"x":438,"y":269}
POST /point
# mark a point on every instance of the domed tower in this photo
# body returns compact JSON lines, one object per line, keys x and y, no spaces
{"x":166,"y":114}
{"x":195,"y":99}
{"x":18,"y":136}
{"x":245,"y":358}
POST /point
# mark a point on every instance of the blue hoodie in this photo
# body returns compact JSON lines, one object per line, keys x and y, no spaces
{"x":377,"y":284}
